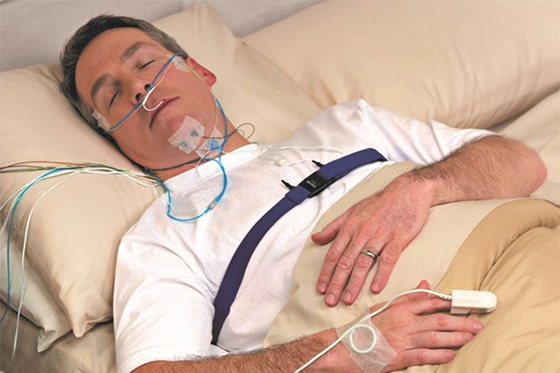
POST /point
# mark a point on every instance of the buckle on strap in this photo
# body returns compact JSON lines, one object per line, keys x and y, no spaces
{"x":314,"y":183}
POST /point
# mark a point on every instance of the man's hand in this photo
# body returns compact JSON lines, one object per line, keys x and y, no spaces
{"x":384,"y":224}
{"x":419,"y":333}
{"x":493,"y":167}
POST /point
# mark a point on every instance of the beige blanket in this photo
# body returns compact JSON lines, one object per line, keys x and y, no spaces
{"x":511,"y":248}
{"x":515,"y":253}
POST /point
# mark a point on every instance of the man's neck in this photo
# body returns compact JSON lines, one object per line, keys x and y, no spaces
{"x":234,"y":141}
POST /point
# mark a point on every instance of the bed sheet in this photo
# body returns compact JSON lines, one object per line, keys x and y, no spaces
{"x":93,"y":353}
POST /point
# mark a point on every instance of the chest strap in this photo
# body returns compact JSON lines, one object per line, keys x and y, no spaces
{"x":309,"y":187}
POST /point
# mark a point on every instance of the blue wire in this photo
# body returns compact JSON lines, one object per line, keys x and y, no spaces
{"x":10,"y":227}
{"x":209,"y":207}
{"x":225,"y":179}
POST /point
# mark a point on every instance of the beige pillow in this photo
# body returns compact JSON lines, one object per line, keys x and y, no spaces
{"x":39,"y":306}
{"x":76,"y":228}
{"x":466,"y":63}
{"x":539,"y":128}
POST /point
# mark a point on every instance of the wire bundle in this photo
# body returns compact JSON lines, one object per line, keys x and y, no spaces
{"x":49,"y":170}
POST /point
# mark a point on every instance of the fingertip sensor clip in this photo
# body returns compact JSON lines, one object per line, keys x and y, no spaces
{"x":464,"y":302}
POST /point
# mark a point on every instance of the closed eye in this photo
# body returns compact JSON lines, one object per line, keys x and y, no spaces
{"x":146,"y":64}
{"x":113,"y":98}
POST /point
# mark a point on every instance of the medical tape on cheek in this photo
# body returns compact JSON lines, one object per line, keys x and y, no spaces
{"x":180,"y":64}
{"x":101,"y":121}
{"x":188,"y":136}
{"x":366,"y":345}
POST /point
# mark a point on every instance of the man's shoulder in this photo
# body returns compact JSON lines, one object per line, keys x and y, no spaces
{"x":151,"y":221}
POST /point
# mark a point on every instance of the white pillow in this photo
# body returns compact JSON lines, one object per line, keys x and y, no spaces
{"x":76,"y":228}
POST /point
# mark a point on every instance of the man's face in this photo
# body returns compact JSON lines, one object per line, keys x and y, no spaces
{"x":112,"y":75}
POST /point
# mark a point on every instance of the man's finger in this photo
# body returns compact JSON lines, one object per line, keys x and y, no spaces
{"x":332,"y":259}
{"x":363,"y":265}
{"x":387,"y":260}
{"x":329,"y":232}
{"x":343,"y":271}
{"x":435,"y":339}
{"x":420,"y":356}
{"x":445,"y":322}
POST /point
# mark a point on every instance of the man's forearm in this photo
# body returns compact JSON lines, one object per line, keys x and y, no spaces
{"x":283,"y":358}
{"x":386,"y":222}
{"x":493,"y":167}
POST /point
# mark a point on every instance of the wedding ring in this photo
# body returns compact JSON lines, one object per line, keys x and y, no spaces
{"x":370,"y":254}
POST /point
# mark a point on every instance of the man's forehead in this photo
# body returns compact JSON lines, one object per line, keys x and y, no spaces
{"x":117,"y":39}
{"x":133,"y":48}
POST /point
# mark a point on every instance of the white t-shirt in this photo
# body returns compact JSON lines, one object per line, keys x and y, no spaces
{"x":168,"y":272}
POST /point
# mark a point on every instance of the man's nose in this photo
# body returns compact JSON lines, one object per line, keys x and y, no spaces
{"x":141,"y":92}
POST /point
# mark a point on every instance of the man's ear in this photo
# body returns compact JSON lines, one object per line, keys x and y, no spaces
{"x":203,"y":72}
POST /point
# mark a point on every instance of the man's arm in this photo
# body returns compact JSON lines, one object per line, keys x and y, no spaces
{"x":283,"y":358}
{"x":492,"y":167}
{"x":289,"y":357}
{"x":414,"y":327}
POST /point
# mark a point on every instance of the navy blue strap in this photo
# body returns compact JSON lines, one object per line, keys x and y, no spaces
{"x":309,"y":187}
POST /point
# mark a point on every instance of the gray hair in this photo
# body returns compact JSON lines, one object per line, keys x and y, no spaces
{"x":80,"y":40}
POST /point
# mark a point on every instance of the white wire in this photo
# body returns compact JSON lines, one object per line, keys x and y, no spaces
{"x":307,"y":148}
{"x":14,"y":198}
{"x":358,"y":325}
{"x":19,"y":191}
{"x":90,"y":170}
{"x":23,"y":250}
{"x":135,"y":177}
{"x":303,"y":148}
{"x":286,"y":165}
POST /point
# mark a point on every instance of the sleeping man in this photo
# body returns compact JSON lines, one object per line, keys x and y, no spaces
{"x":136,"y":86}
